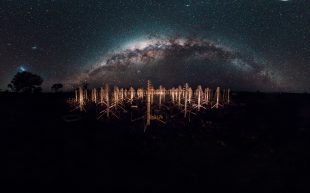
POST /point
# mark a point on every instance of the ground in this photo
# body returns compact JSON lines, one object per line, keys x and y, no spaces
{"x":258,"y":144}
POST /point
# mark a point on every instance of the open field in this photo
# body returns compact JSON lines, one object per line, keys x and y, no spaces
{"x":259,"y":144}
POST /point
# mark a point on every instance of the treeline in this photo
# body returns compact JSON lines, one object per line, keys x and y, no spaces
{"x":27,"y":82}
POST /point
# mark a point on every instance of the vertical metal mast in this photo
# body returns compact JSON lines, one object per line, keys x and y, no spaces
{"x":107,"y":99}
{"x":185,"y":99}
{"x":148,"y":103}
{"x":81,"y":98}
{"x":218,"y":93}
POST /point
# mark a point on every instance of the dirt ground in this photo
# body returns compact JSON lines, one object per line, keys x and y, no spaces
{"x":259,"y":144}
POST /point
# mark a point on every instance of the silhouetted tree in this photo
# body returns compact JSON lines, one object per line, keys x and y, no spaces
{"x":10,"y":87}
{"x":56,"y":87}
{"x":26,"y":82}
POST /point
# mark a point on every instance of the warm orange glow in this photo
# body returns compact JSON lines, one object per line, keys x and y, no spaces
{"x":187,"y":101}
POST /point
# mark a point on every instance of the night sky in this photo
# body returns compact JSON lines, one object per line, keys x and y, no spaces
{"x":246,"y":45}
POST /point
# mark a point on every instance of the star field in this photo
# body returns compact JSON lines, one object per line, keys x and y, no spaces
{"x":60,"y":40}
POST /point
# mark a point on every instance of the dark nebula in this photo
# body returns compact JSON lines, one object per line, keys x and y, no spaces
{"x":173,"y":61}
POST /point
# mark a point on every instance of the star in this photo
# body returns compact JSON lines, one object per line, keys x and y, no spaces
{"x":121,"y":29}
{"x":21,"y":69}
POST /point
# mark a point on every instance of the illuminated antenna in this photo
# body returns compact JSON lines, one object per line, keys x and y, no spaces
{"x":131,"y":93}
{"x":116,"y":94}
{"x":140,"y":93}
{"x":152,"y":95}
{"x":76,"y":95}
{"x":175,"y":93}
{"x":218,"y":93}
{"x":94,"y":95}
{"x":110,"y":106}
{"x":81,"y":99}
{"x":149,"y":116}
{"x":185,"y":99}
{"x":190,"y":94}
{"x":148,"y":103}
{"x":207,"y":95}
{"x":106,"y":101}
{"x":122,"y":94}
{"x":160,"y":92}
{"x":172,"y":93}
{"x":125,"y":93}
{"x":179,"y":95}
{"x":199,"y":93}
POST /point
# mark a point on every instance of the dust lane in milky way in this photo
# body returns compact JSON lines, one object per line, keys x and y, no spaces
{"x":173,"y":60}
